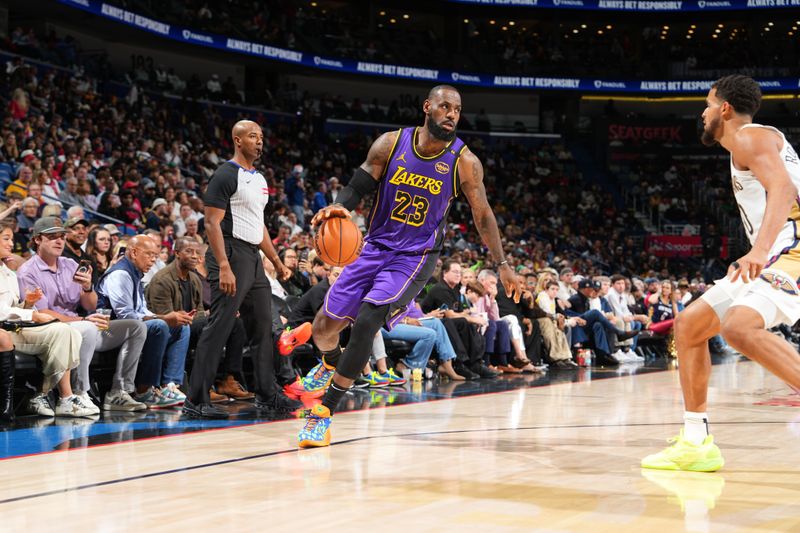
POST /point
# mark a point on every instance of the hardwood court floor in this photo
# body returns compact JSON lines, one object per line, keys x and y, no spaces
{"x":558,"y":458}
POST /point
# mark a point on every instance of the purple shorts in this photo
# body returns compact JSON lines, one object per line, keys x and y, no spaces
{"x":379,"y":276}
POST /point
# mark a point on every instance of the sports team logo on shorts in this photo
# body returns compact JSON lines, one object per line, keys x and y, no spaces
{"x":442,"y":167}
{"x":778,"y":282}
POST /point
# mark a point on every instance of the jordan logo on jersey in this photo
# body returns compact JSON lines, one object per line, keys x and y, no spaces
{"x":402,"y":158}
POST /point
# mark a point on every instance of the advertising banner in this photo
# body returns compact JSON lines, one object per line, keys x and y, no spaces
{"x":350,"y":66}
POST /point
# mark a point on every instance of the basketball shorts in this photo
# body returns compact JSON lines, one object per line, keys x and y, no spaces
{"x":774,"y":295}
{"x":379,"y":276}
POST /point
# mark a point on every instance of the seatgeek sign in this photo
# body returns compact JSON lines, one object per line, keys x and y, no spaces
{"x":642,"y":6}
{"x":260,"y":50}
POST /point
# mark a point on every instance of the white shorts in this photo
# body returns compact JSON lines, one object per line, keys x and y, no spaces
{"x":774,"y":295}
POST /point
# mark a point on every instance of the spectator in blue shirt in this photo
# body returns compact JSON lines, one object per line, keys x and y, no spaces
{"x":320,"y":199}
{"x":162,"y":363}
{"x":295,"y":188}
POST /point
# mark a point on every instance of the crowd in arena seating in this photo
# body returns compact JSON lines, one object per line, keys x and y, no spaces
{"x":114,"y":186}
{"x":531,"y":46}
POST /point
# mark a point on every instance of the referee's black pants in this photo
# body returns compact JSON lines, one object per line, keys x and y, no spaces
{"x":251,"y":286}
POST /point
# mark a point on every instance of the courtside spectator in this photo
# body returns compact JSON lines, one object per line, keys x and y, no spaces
{"x":55,"y":344}
{"x":162,"y":362}
{"x":98,"y":248}
{"x":66,"y":289}
{"x":76,"y":237}
{"x":552,"y":327}
{"x":178,"y":287}
{"x":467,"y":340}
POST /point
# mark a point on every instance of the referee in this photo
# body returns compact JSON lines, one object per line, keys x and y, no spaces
{"x":235,"y":225}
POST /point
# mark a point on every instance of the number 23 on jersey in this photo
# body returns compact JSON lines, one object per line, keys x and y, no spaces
{"x":401,"y":211}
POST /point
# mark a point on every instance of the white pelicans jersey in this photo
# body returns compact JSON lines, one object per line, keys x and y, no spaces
{"x":752,"y":197}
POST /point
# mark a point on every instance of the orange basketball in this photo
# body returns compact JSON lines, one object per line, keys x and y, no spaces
{"x":338,"y":241}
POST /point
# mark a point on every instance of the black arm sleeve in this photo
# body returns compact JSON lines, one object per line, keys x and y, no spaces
{"x":361,"y":184}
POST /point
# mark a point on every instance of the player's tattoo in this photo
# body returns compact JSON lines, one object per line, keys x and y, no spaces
{"x":378,"y":156}
{"x":485,"y":222}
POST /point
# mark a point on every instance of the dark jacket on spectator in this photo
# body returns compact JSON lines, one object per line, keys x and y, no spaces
{"x":441,"y":294}
{"x":164,"y":294}
{"x":579,"y":303}
{"x":296,"y":285}
{"x":309,"y":304}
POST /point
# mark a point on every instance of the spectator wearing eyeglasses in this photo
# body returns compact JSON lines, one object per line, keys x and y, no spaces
{"x":162,"y":363}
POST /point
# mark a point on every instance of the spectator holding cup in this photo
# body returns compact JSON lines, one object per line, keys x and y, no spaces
{"x":64,"y":288}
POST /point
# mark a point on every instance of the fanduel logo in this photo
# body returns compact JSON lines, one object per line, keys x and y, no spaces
{"x":465,"y":77}
{"x":600,"y":84}
{"x":191,"y":36}
{"x":327,"y":62}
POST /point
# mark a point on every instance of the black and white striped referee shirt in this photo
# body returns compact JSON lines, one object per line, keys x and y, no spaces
{"x":243,"y":195}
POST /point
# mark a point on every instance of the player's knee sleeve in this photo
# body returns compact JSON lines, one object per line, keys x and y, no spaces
{"x":370,"y":319}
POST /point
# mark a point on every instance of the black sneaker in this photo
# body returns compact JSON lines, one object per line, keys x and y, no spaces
{"x":468,"y":374}
{"x":278,"y":402}
{"x":565,"y":364}
{"x":604,"y":359}
{"x":360,"y":383}
{"x":203,"y":410}
{"x":625,"y":335}
{"x":484,"y":371}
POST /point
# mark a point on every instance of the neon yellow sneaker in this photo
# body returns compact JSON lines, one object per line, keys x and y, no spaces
{"x":683,"y":455}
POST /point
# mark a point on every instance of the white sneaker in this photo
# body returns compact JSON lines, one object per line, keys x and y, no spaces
{"x":620,"y":357}
{"x":89,"y":403}
{"x":633,"y":357}
{"x":120,"y":400}
{"x":73,"y":406}
{"x":39,"y":405}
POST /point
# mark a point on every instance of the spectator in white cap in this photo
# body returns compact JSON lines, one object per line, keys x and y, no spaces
{"x":114,"y":232}
{"x":159,"y":211}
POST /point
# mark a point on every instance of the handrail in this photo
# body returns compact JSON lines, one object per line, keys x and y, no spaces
{"x":97,"y":214}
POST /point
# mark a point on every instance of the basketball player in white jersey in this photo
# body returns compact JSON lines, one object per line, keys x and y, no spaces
{"x":760,"y":290}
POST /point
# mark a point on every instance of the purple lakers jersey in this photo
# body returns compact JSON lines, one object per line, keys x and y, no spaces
{"x":414,"y":196}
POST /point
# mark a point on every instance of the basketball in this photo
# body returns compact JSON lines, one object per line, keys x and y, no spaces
{"x":338,"y":241}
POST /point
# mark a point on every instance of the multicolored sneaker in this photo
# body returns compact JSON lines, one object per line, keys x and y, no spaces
{"x":393,"y":378}
{"x":376,"y":380}
{"x":315,"y":382}
{"x":170,"y":390}
{"x":291,"y":338}
{"x":317,"y":431}
{"x":683,"y":455}
{"x":153,"y":399}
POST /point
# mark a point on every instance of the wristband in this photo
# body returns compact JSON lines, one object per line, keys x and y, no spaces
{"x":503,"y":262}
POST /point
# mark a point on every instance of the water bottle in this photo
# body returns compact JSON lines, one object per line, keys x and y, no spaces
{"x":416,"y":375}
